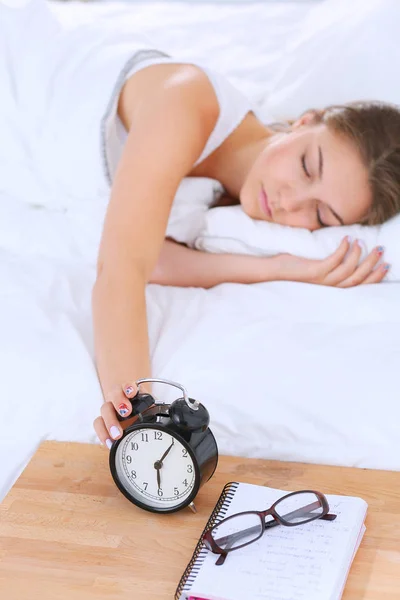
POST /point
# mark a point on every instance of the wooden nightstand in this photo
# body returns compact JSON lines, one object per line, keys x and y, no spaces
{"x":67,"y":533}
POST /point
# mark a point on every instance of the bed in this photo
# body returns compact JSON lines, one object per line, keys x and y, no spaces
{"x":288,"y":371}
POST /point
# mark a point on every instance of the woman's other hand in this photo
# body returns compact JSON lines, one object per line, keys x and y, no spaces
{"x":107,"y":426}
{"x":340,"y":269}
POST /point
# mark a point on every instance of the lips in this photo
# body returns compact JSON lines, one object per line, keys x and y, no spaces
{"x":264,"y":203}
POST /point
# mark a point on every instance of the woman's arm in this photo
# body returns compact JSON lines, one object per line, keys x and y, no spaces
{"x":184,"y":267}
{"x":181,"y":266}
{"x":170,"y":126}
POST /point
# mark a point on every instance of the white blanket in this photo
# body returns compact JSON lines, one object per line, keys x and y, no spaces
{"x":288,"y":371}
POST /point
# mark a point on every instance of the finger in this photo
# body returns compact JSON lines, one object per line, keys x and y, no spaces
{"x":347,"y":267}
{"x":110,"y":420}
{"x":102,"y":432}
{"x":364,"y":270}
{"x":334,"y":260}
{"x":130,"y":389}
{"x":119,"y":398}
{"x":377,"y":275}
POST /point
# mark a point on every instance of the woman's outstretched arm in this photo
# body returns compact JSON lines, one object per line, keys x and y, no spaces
{"x":170,"y":126}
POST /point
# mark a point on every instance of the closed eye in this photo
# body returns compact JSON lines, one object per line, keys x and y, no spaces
{"x":303,"y":163}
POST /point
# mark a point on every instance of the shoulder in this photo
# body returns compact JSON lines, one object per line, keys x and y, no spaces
{"x":151,"y":87}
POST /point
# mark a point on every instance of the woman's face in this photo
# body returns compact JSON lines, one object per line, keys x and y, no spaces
{"x":310,"y":178}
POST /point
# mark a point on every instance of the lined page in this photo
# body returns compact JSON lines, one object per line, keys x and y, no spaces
{"x":306,"y":562}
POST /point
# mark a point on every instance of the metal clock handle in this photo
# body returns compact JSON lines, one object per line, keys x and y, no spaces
{"x":191,"y":402}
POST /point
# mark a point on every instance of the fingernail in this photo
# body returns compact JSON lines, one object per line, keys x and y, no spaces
{"x":380,"y":249}
{"x":386,"y":267}
{"x":108,"y":443}
{"x":123,"y":409}
{"x":349,"y":239}
{"x":129,"y":390}
{"x":115,"y":432}
{"x":361,"y":244}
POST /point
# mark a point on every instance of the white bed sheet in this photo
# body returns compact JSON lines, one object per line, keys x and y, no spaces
{"x":288,"y":371}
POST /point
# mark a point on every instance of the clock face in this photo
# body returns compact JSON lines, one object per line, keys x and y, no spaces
{"x":155,"y":468}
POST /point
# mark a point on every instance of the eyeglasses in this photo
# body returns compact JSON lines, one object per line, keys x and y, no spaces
{"x":244,"y":528}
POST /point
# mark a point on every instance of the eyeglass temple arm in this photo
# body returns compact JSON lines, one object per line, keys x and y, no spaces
{"x":233,"y":537}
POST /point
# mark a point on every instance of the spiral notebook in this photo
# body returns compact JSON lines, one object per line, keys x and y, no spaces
{"x":306,"y":562}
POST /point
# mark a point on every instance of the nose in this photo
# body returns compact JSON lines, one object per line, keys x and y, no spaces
{"x":293,"y":199}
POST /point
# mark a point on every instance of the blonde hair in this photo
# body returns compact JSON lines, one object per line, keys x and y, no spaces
{"x":374,"y":130}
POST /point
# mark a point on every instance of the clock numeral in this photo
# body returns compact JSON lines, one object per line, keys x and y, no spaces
{"x":145,"y":484}
{"x":176,"y":491}
{"x":185,"y":483}
{"x":189,"y":469}
{"x":134,"y":446}
{"x":145,"y":437}
{"x":133,"y":474}
{"x":129,"y":459}
{"x":184,"y":452}
{"x":159,"y":492}
{"x":158,"y":435}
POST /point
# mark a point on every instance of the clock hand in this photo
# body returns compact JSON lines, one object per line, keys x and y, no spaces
{"x":158,"y":464}
{"x":158,"y":478}
{"x":165,"y":453}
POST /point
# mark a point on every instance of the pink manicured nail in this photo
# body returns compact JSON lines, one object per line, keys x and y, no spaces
{"x":114,"y":432}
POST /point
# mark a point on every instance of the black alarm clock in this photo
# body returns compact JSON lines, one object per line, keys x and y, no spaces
{"x":166,"y":454}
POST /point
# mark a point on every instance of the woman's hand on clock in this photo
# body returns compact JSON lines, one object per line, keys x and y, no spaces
{"x":107,"y":426}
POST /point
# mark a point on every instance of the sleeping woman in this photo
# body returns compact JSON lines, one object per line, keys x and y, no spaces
{"x":336,"y":166}
{"x":169,"y":119}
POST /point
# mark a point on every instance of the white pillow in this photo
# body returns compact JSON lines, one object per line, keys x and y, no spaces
{"x":229,"y":230}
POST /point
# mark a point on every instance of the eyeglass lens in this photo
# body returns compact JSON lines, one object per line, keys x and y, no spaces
{"x":237,"y":531}
{"x":299,"y":508}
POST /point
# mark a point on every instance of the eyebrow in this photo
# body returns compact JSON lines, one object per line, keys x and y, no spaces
{"x":320,"y":173}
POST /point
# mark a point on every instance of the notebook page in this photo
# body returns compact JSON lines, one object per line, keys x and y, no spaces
{"x":341,"y":584}
{"x":288,"y":563}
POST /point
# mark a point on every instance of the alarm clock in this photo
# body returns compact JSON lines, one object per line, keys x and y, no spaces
{"x":166,"y":454}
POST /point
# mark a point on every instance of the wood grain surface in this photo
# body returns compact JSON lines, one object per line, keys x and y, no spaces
{"x":67,"y":533}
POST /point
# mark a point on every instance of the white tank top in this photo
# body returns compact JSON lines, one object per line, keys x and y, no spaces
{"x":233,"y":107}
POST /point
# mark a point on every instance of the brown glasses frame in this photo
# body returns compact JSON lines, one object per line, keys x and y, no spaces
{"x":278,"y":520}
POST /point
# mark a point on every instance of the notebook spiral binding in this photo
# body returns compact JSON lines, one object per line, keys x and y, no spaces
{"x":200,"y":552}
